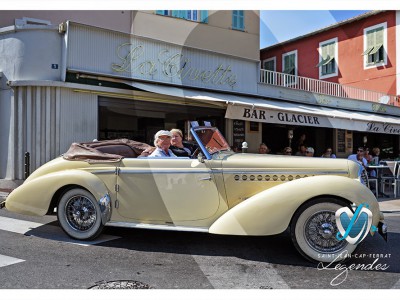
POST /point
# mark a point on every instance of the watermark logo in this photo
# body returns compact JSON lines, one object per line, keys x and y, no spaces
{"x":354,"y":227}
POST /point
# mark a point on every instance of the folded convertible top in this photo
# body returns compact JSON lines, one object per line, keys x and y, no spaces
{"x":108,"y":150}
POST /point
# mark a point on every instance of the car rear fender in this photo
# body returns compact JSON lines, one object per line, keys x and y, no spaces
{"x":270,"y":212}
{"x":34,"y":197}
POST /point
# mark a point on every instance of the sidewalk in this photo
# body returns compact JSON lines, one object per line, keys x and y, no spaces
{"x":3,"y":195}
{"x":389,"y":206}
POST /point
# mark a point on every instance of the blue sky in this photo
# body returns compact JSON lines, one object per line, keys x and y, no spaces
{"x":281,"y":25}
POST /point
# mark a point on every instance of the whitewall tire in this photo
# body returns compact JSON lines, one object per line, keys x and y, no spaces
{"x":313,"y":231}
{"x":79,"y":214}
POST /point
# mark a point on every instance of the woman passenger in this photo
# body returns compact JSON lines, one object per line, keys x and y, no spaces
{"x":177,"y":146}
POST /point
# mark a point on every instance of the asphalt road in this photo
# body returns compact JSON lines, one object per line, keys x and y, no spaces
{"x":35,"y":253}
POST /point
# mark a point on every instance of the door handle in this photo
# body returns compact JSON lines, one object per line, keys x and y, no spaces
{"x":205,"y":178}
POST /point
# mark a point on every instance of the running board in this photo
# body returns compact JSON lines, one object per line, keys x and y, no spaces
{"x":157,"y":227}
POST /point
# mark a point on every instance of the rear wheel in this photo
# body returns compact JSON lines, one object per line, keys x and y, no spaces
{"x":79,"y":214}
{"x":313,"y":231}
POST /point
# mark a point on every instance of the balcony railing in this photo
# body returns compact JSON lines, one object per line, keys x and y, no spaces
{"x":325,"y":88}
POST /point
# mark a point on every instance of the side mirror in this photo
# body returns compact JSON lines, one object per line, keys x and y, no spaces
{"x":200,"y":157}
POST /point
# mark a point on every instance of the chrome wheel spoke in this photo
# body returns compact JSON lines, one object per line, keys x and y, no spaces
{"x":320,"y":231}
{"x":80,"y":213}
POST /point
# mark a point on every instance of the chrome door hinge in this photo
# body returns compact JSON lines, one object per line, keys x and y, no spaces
{"x":116,"y":203}
{"x":117,"y":171}
{"x":117,"y":187}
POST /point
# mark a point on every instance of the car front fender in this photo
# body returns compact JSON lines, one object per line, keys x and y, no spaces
{"x":270,"y":211}
{"x":34,"y":196}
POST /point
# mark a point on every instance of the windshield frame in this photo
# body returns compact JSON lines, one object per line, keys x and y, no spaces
{"x":195,"y":132}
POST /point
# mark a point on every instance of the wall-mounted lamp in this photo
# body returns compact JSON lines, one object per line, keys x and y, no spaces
{"x":365,"y":140}
{"x":244,"y":147}
{"x":290,"y":136}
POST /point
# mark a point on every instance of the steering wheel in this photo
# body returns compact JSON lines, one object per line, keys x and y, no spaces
{"x":195,"y":153}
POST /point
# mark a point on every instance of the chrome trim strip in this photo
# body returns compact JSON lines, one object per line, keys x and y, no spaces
{"x":165,"y":171}
{"x":105,"y":208}
{"x":104,"y":171}
{"x":157,"y":227}
{"x":240,"y":172}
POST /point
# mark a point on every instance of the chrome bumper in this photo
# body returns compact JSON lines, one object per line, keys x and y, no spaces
{"x":382,"y":230}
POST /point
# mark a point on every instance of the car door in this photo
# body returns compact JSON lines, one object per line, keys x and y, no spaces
{"x":166,"y":190}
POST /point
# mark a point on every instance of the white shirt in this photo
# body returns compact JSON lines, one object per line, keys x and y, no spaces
{"x":353,"y":157}
{"x":160,"y":153}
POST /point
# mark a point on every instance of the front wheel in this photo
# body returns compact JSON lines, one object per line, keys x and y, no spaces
{"x":313,"y":231}
{"x":79,"y":214}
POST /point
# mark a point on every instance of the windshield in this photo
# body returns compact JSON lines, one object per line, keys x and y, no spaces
{"x":212,"y":139}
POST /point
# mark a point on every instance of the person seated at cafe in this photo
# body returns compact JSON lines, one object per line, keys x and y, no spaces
{"x":328,"y":153}
{"x":359,"y":157}
{"x":367,"y":156}
{"x":287,"y":151}
{"x":375,"y":156}
{"x":310,"y":152}
{"x":302,"y":150}
{"x":177,"y":146}
{"x":263,"y":149}
{"x":162,"y":141}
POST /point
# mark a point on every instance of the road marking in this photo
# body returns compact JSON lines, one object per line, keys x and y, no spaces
{"x":396,"y":285}
{"x":17,"y":226}
{"x":236,"y":273}
{"x":8,"y":260}
{"x":45,"y":231}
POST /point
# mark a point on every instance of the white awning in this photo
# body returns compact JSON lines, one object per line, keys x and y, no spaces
{"x":281,"y":112}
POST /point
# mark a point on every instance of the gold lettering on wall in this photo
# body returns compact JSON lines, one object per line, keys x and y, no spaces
{"x":171,"y":65}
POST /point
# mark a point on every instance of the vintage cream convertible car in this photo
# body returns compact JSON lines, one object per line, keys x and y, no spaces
{"x":219,"y":192}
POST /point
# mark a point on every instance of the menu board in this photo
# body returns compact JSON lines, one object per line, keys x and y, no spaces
{"x":341,"y":140}
{"x":239,"y":130}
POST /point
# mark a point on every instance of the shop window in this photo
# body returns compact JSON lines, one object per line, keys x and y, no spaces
{"x":238,"y":19}
{"x":328,"y":63}
{"x":289,"y":67}
{"x":191,"y":15}
{"x":375,"y":46}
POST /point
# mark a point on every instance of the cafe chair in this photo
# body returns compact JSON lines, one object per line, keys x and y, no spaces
{"x":391,"y":180}
{"x":396,"y":182}
{"x":368,"y":179}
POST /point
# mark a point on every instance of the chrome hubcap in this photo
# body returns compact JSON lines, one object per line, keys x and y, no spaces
{"x":320,"y":231}
{"x":80,"y":213}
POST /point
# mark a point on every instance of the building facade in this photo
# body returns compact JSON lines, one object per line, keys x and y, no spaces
{"x":110,"y":75}
{"x":77,"y":76}
{"x":359,"y":53}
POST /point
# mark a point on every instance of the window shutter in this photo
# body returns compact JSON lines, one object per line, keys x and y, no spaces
{"x":379,"y":36}
{"x":327,"y":54}
{"x":238,"y":19}
{"x":241,"y":19}
{"x":204,"y":16}
{"x":234,"y":19}
{"x":183,"y":14}
{"x":378,"y":40}
{"x":370,"y":42}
